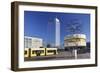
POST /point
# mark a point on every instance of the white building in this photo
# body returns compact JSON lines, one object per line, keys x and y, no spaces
{"x":57,"y":32}
{"x":74,"y":40}
{"x":32,"y":42}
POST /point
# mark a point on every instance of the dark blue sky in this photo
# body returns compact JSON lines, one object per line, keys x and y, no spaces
{"x":42,"y":24}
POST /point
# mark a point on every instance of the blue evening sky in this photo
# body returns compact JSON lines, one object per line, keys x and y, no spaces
{"x":42,"y":24}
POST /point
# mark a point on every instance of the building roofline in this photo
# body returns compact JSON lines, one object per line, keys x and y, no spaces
{"x":32,"y":37}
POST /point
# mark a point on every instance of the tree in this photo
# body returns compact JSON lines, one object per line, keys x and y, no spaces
{"x":48,"y":45}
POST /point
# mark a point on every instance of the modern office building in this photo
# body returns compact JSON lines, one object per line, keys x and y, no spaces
{"x":32,"y":42}
{"x":75,"y":40}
